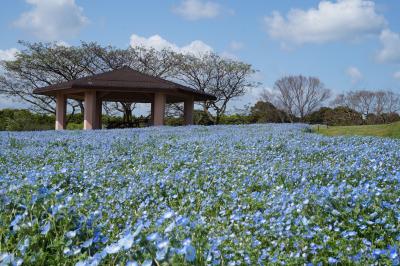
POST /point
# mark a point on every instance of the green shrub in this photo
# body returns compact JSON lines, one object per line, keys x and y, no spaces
{"x":235,"y":119}
{"x":24,"y":120}
{"x":266,"y":112}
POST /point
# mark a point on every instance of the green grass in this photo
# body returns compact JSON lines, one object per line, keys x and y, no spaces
{"x":74,"y":126}
{"x":386,"y":130}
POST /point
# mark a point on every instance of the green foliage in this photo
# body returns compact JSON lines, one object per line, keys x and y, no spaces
{"x":74,"y":126}
{"x":344,"y":116}
{"x":266,"y":112}
{"x":174,"y":121}
{"x":373,"y":119}
{"x":339,"y":116}
{"x":319,"y":116}
{"x":75,"y":118}
{"x":201,"y":118}
{"x":235,"y":119}
{"x":24,"y":120}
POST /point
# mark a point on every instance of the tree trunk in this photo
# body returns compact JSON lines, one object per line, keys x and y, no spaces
{"x":127,"y":113}
{"x":81,"y":106}
{"x":217,"y":119}
{"x":205,"y":109}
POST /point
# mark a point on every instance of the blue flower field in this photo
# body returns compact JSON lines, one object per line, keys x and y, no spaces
{"x":218,"y":195}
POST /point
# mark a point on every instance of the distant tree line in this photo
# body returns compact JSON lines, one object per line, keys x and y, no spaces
{"x":303,"y":99}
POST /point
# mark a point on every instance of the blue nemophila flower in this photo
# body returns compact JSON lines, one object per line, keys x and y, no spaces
{"x":222,"y":194}
{"x":190,"y":253}
{"x":378,"y":252}
{"x":332,"y":260}
{"x":113,"y":248}
{"x":16,"y":220}
{"x":87,"y":243}
{"x":168,"y":215}
{"x":71,"y":234}
{"x":23,"y":245}
{"x":393,"y":252}
{"x":349,"y":234}
{"x":357,"y":257}
{"x":153,"y":237}
{"x":163,"y":244}
{"x":45,"y":228}
{"x":10,"y":259}
{"x":170,"y":227}
{"x":138,"y":230}
{"x":104,"y":239}
{"x":126,"y":241}
{"x":161,"y":253}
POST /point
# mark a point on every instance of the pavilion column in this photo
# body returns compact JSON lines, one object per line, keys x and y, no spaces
{"x":90,"y":114}
{"x":99,"y":110}
{"x":152,"y":113}
{"x":188,"y":111}
{"x":61,"y":111}
{"x":159,"y":109}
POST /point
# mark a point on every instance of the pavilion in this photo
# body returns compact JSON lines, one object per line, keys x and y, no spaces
{"x":122,"y":85}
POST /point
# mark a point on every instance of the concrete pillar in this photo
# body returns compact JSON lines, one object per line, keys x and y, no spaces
{"x":90,"y":115}
{"x":159,"y":109}
{"x":152,"y":113}
{"x":99,"y":110}
{"x":61,"y":111}
{"x":188,"y":111}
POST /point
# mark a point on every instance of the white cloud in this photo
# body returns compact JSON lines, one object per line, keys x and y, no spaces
{"x":354,"y":74}
{"x":51,"y":20}
{"x":229,"y":55}
{"x":396,"y":75}
{"x":197,"y":9}
{"x":196,"y":47}
{"x":8,"y":54}
{"x":236,"y":46}
{"x":330,"y":21}
{"x":62,"y":43}
{"x":391,"y":47}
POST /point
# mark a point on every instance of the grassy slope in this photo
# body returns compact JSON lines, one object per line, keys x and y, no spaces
{"x":388,"y":130}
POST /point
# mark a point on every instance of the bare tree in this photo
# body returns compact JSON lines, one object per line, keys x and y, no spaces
{"x":364,"y":99}
{"x":379,"y":103}
{"x":44,"y":64}
{"x":226,"y":79}
{"x":391,"y":102}
{"x":299,"y":95}
{"x":41,"y":65}
{"x":367,"y":102}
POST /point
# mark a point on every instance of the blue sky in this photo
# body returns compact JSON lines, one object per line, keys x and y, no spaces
{"x":348,"y":44}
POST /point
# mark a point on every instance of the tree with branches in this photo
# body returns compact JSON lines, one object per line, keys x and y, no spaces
{"x":369,"y":102}
{"x":298,"y":96}
{"x":226,"y":79}
{"x":45,"y":64}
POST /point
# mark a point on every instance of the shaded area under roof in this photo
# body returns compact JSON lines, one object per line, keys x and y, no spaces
{"x":124,"y":84}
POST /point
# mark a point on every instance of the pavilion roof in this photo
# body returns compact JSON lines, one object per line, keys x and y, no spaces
{"x":122,"y":80}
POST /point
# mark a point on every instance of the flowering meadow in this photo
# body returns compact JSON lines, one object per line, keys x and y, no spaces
{"x":218,"y":195}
